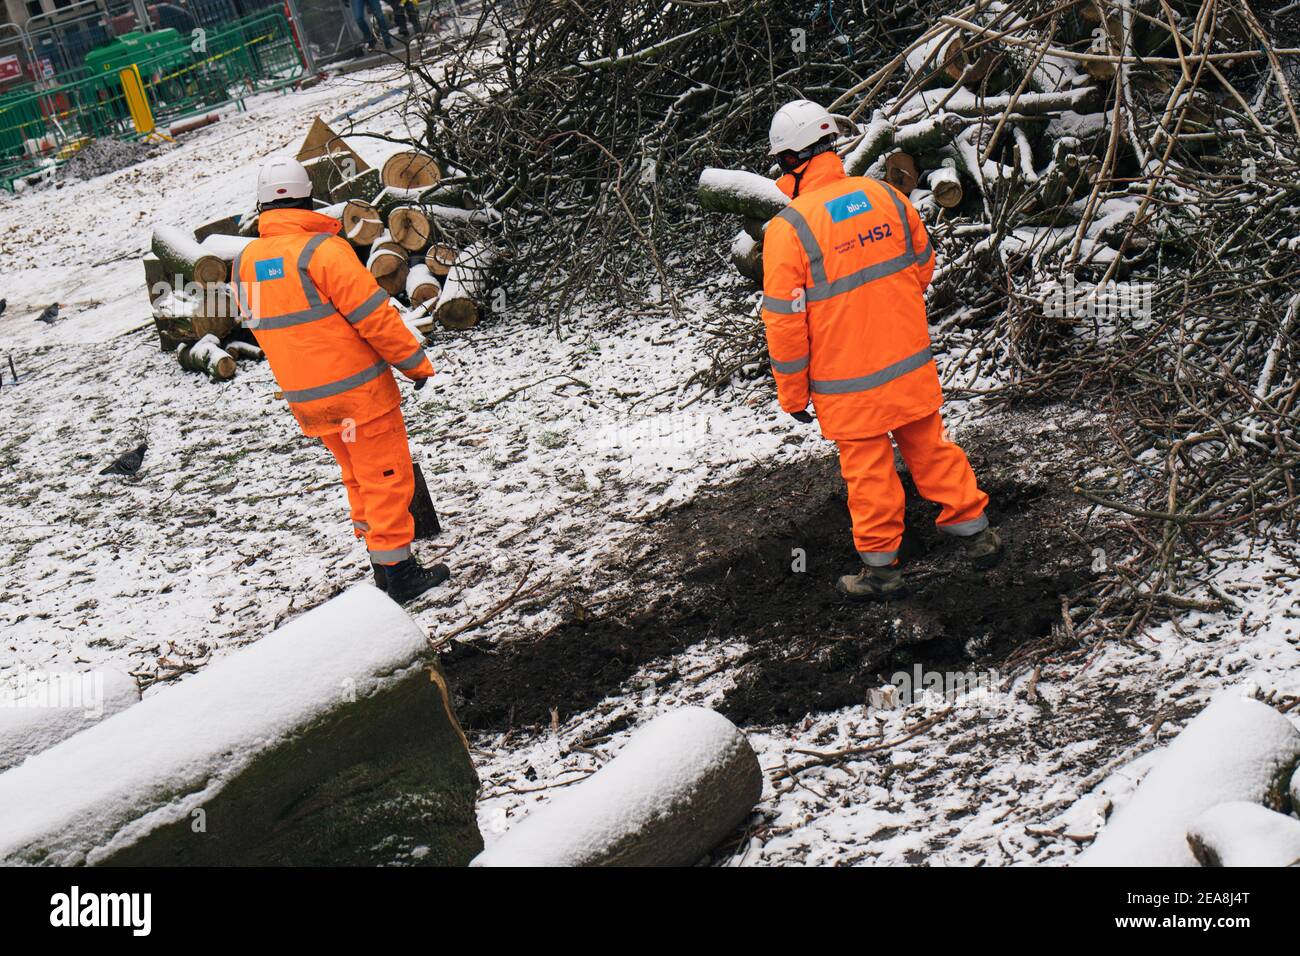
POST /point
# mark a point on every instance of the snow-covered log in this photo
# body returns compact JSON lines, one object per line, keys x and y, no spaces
{"x":207,"y":355}
{"x":329,"y":741}
{"x":736,"y":191}
{"x":1244,"y":834}
{"x":747,"y":257}
{"x":421,"y":285}
{"x":463,"y":291}
{"x":440,"y":259}
{"x":57,"y":705}
{"x":225,"y":246}
{"x":676,"y":790}
{"x":388,"y":263}
{"x":1235,"y":749}
{"x":182,"y":256}
{"x":364,"y":185}
{"x":362,"y":224}
{"x":945,"y":183}
{"x":240,"y":351}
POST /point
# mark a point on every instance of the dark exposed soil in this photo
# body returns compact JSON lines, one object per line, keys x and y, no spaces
{"x":810,"y":650}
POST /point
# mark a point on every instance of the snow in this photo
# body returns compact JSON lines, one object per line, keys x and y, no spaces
{"x":659,"y":770}
{"x":1236,"y":749}
{"x":237,"y":523}
{"x":742,"y":185}
{"x":54,"y":706}
{"x":1245,"y":834}
{"x":154,"y":763}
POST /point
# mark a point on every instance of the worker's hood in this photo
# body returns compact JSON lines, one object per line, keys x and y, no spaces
{"x":286,"y":222}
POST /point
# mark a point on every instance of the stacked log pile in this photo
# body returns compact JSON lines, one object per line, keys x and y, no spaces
{"x":416,"y":229}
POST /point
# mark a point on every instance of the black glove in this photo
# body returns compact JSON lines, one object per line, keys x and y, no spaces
{"x":419,"y":383}
{"x":803,"y":417}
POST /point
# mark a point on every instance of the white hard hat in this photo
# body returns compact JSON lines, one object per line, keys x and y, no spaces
{"x":282,"y":178}
{"x":798,"y":125}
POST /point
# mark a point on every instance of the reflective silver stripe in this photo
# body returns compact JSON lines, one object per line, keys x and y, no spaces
{"x":842,"y":386}
{"x":412,"y":360}
{"x":295,"y":318}
{"x":925,"y":255}
{"x":878,"y":559}
{"x":365,"y":309}
{"x":361,"y":525}
{"x":304,"y":258}
{"x":964,"y":529}
{"x":781,"y":306}
{"x":854,"y":279}
{"x":816,"y":264}
{"x":391,"y":556}
{"x":339,"y":387}
{"x":789,"y":368}
{"x":902,"y":215}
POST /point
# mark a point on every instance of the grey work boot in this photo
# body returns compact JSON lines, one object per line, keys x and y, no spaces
{"x":872,"y":583}
{"x":984,"y":549}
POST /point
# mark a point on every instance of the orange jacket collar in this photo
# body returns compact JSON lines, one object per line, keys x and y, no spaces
{"x":285,"y":222}
{"x":817,"y":172}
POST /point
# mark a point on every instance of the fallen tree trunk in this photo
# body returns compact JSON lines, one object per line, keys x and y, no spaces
{"x":58,"y":706}
{"x":182,"y":255}
{"x":465,"y":287}
{"x":207,"y":355}
{"x":307,"y":747}
{"x":386,"y":256}
{"x":677,"y":789}
{"x":945,"y":183}
{"x":1244,"y":834}
{"x":1235,"y":749}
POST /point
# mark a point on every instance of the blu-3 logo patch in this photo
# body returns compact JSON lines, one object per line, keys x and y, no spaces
{"x":269,"y":269}
{"x":846,"y":207}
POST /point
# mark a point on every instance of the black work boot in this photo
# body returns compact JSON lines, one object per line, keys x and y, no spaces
{"x":381,"y":576}
{"x":407,"y":580}
{"x":983,"y":550}
{"x":872,"y":583}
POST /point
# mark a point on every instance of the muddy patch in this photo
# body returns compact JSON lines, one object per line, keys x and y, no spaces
{"x":756,"y":561}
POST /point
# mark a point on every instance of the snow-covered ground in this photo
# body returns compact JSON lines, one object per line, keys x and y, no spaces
{"x":542,"y":450}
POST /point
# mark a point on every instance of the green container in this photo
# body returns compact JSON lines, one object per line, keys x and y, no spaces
{"x":161,"y":49}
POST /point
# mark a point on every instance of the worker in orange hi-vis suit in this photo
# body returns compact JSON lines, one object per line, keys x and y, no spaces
{"x":331,"y":336}
{"x":845,"y":268}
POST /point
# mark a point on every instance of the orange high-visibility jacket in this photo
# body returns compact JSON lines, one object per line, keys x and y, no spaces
{"x":845,"y":268}
{"x":328,"y":330}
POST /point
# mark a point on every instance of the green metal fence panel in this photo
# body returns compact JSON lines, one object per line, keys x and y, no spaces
{"x":221,"y":66}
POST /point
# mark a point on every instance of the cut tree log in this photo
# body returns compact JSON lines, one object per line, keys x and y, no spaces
{"x":182,"y":255}
{"x":900,"y":172}
{"x":740,"y":193}
{"x":241,"y":351}
{"x":410,"y":170}
{"x":945,"y":183}
{"x":322,"y":141}
{"x":228,"y":226}
{"x":1235,"y":749}
{"x":362,"y":224}
{"x":440,"y":259}
{"x":207,"y":355}
{"x":409,"y":227}
{"x":386,"y":257}
{"x":1244,"y":834}
{"x":459,"y":304}
{"x":678,"y":788}
{"x":224,"y":245}
{"x":747,"y":257}
{"x":880,"y":136}
{"x":328,"y":172}
{"x":328,"y":742}
{"x":421,"y":286}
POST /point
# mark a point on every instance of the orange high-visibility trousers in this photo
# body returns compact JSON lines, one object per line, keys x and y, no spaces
{"x":375,"y":459}
{"x":941,"y":473}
